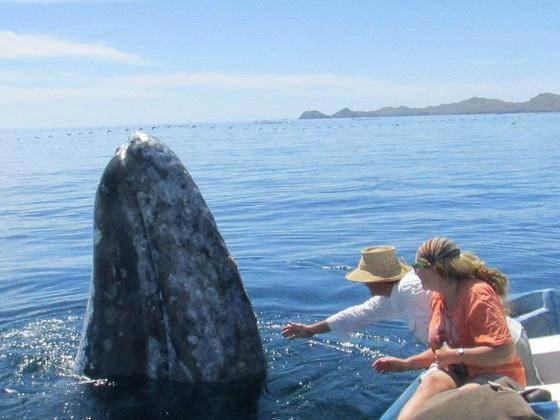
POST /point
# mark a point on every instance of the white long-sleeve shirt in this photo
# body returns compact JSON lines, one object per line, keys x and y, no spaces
{"x":408,"y":302}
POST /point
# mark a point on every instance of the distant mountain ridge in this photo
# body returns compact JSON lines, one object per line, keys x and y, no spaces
{"x":544,"y":102}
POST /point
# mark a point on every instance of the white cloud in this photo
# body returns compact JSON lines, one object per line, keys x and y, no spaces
{"x":327,"y":92}
{"x":296,"y":84}
{"x":374,"y":92}
{"x":12,"y":76}
{"x":11,"y":94}
{"x":205,"y":80}
{"x":245,"y":81}
{"x":36,"y":99}
{"x":18,"y":46}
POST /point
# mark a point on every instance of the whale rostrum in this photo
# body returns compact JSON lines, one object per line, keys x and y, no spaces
{"x":166,"y":297}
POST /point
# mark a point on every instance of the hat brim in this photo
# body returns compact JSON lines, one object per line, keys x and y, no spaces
{"x":362,"y":276}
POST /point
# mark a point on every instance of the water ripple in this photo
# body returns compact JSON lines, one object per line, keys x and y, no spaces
{"x":296,"y":201}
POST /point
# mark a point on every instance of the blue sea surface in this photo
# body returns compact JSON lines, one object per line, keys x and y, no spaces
{"x":296,"y":201}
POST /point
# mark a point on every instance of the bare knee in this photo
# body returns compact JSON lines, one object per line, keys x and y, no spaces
{"x":431,"y":384}
{"x":437,"y":382}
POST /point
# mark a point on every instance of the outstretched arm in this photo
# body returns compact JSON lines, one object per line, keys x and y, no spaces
{"x":349,"y":319}
{"x":394,"y":364}
{"x":294,"y":330}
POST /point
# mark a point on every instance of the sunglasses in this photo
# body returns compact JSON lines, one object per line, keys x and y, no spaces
{"x":420,"y":264}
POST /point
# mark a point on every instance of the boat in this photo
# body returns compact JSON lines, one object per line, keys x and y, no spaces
{"x":539,"y":313}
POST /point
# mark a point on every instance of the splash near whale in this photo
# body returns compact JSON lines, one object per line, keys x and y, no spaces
{"x":166,"y":297}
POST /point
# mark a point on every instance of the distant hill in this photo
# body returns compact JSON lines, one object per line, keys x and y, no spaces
{"x":313,"y":115}
{"x":545,"y":102}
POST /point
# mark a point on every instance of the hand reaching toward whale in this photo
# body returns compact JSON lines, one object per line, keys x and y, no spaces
{"x":294,"y":330}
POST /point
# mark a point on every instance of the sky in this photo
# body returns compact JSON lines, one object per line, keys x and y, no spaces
{"x":78,"y":63}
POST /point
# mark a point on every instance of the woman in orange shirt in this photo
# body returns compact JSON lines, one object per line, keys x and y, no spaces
{"x":469,"y":338}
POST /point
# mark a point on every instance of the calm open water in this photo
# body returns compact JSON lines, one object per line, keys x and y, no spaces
{"x":295,"y":202}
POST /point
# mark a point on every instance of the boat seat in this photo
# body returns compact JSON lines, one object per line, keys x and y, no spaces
{"x":546,"y":353}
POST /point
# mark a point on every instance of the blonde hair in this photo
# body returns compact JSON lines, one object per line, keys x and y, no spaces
{"x":449,"y":262}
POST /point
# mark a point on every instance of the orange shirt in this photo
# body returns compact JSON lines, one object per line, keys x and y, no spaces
{"x":476,"y":320}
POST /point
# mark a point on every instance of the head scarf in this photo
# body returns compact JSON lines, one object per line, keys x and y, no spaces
{"x":437,"y":249}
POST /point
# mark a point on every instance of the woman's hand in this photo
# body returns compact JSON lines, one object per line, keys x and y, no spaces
{"x":293,"y":330}
{"x":390,"y":364}
{"x":446,"y":356}
{"x":394,"y":364}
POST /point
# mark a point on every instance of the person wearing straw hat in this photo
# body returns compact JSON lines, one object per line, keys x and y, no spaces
{"x":396,"y":291}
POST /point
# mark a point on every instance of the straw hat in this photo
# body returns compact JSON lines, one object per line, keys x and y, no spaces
{"x":378,"y":264}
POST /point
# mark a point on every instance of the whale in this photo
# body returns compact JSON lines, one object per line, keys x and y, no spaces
{"x":166,"y":298}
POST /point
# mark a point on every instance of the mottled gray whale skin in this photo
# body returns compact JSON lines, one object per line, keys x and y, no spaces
{"x":166,"y":298}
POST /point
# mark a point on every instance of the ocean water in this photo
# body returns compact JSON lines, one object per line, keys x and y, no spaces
{"x":296,"y":201}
